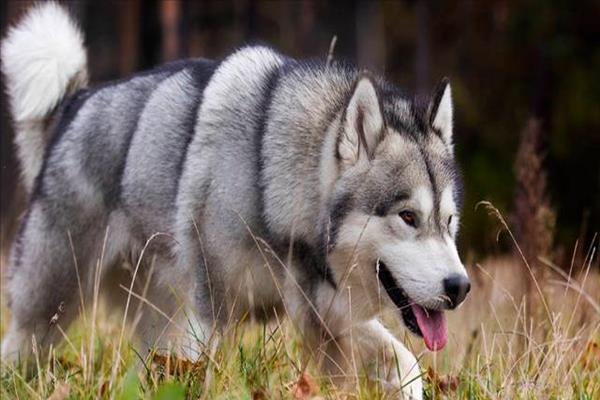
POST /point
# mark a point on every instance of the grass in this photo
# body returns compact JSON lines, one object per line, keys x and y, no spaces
{"x":499,"y":347}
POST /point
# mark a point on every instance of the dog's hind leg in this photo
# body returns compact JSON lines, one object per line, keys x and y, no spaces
{"x":159,"y":309}
{"x":192,"y":332}
{"x":48,"y":272}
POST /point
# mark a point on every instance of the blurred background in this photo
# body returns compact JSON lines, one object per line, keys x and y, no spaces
{"x":525,"y":75}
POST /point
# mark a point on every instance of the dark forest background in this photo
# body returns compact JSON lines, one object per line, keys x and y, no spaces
{"x":525,"y":75}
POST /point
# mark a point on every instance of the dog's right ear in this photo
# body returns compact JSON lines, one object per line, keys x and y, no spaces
{"x":362,"y":123}
{"x":441,"y":111}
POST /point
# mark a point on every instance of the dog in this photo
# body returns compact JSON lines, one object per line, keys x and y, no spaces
{"x":247,"y":186}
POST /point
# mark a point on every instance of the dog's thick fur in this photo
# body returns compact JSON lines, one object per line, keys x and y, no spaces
{"x":263,"y":183}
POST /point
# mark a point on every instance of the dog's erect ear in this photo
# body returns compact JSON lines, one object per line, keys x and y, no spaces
{"x":441,"y":111}
{"x":362,"y":123}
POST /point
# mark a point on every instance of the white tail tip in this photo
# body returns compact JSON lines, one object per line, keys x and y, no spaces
{"x":42,"y":58}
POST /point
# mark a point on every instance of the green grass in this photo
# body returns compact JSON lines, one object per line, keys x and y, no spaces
{"x":497,"y":349}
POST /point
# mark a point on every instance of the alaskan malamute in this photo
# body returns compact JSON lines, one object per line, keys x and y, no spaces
{"x":251,"y":185}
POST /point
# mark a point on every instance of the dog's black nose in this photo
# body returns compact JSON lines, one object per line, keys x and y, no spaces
{"x":456,"y":286}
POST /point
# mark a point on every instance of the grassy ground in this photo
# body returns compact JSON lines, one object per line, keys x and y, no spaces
{"x":498,"y":348}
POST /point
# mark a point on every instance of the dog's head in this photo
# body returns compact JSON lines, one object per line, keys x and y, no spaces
{"x":394,"y":211}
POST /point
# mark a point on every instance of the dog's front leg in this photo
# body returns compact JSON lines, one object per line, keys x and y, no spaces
{"x":398,"y":367}
{"x":370,"y":347}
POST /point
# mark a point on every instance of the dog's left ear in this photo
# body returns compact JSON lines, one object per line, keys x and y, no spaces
{"x":441,"y":112}
{"x":363,"y":124}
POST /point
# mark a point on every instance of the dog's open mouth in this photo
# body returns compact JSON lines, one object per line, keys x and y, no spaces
{"x":427,"y":323}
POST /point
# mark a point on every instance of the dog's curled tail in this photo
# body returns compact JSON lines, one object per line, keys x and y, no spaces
{"x":43,"y":60}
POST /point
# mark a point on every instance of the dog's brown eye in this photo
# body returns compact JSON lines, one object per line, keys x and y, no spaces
{"x":409,"y":218}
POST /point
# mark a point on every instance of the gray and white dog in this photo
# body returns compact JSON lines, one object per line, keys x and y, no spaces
{"x":252,"y":185}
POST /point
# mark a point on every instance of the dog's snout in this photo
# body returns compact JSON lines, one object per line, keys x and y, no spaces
{"x":456,"y":287}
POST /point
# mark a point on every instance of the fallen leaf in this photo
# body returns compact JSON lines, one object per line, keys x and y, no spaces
{"x":442,"y":383}
{"x":61,"y":391}
{"x":591,"y":356}
{"x":304,"y":388}
{"x":258,"y":395}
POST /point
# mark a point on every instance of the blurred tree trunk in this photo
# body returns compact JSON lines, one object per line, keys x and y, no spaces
{"x":423,"y":48}
{"x":306,"y":27}
{"x":183,"y":29}
{"x":129,"y":29}
{"x":287,"y":27}
{"x":150,"y":45}
{"x":239,"y":28}
{"x":197,"y":44}
{"x":169,"y":21}
{"x":370,"y":38}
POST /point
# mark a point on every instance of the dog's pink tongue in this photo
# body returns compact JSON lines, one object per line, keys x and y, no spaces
{"x":433,"y":327}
